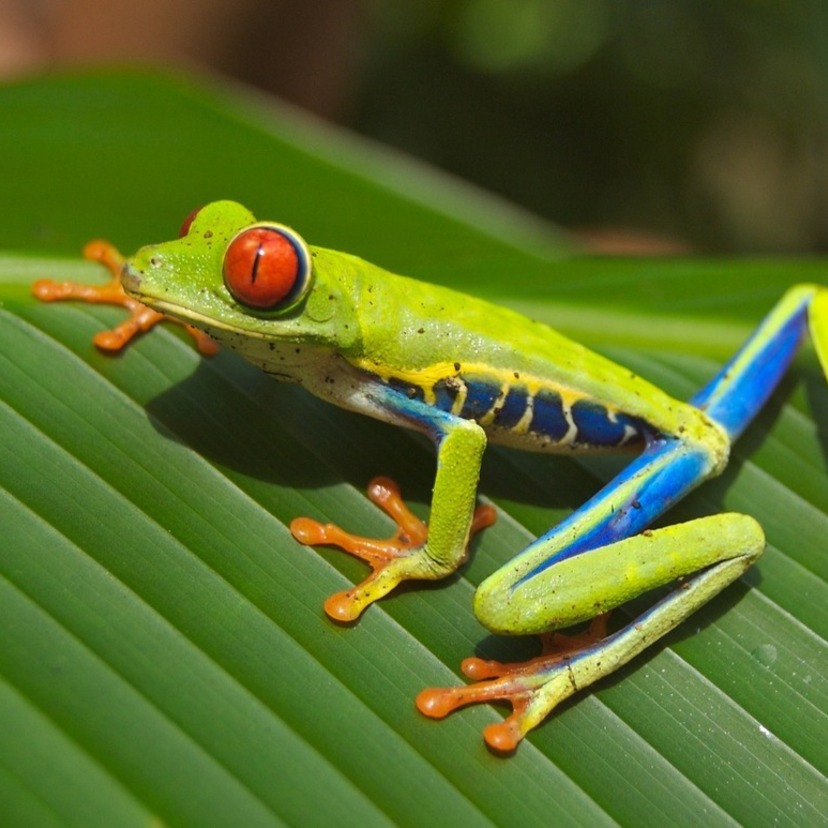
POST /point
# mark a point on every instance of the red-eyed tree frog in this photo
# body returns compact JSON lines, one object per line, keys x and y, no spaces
{"x":464,"y":371}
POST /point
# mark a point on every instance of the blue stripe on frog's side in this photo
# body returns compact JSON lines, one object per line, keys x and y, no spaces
{"x":509,"y":407}
{"x":481,"y":397}
{"x":445,"y":393}
{"x":597,"y":427}
{"x":513,"y":408}
{"x":548,"y":417}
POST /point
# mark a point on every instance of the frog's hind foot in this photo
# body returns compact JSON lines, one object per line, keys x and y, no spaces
{"x":533,"y":687}
{"x":392,"y":560}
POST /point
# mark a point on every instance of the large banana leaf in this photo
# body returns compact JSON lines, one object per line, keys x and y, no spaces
{"x":164,"y":657}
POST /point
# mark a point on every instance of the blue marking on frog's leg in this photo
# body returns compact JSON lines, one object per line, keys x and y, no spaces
{"x":657,"y":479}
{"x":651,"y":484}
{"x":736,"y":394}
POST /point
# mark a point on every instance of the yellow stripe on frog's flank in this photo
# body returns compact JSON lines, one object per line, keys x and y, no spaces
{"x":426,"y":378}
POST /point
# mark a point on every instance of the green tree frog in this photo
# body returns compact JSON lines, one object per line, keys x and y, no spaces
{"x":464,"y":371}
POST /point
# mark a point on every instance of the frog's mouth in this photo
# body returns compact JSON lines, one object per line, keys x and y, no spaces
{"x":131,"y":280}
{"x":132,"y":283}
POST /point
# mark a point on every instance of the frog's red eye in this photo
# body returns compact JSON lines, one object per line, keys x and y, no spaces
{"x":267,"y":266}
{"x":185,"y":227}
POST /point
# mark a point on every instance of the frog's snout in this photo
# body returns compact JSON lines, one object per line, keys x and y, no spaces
{"x":130,"y":279}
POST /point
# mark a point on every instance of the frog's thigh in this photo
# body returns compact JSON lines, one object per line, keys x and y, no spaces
{"x":578,"y":588}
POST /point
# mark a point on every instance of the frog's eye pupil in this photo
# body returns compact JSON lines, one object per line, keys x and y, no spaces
{"x":185,"y":227}
{"x":266,"y":267}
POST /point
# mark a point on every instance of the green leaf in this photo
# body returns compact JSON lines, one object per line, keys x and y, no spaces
{"x":164,"y":655}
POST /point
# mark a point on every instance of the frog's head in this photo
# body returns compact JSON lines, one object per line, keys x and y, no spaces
{"x":246,"y":282}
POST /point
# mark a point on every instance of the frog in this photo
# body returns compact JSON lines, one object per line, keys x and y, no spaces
{"x":466,"y":372}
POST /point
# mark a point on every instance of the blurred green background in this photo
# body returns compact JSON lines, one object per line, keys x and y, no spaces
{"x":644,"y":125}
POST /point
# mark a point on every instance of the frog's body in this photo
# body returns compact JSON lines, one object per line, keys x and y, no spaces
{"x":528,"y":386}
{"x":462,"y":371}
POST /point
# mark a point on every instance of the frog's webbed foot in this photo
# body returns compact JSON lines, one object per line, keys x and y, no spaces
{"x":392,"y":560}
{"x":141,"y":317}
{"x":533,"y":687}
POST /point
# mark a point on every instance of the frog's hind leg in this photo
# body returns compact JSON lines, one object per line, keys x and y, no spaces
{"x":737,"y":393}
{"x":592,"y":562}
{"x":596,"y":559}
{"x":721,"y":546}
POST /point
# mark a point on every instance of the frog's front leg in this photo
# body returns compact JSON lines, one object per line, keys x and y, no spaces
{"x":415,"y":551}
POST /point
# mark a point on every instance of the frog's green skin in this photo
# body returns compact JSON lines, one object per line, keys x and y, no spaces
{"x":462,"y":370}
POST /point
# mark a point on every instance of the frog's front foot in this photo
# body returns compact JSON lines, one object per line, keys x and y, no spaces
{"x":141,"y":318}
{"x":401,"y":557}
{"x":533,"y":688}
